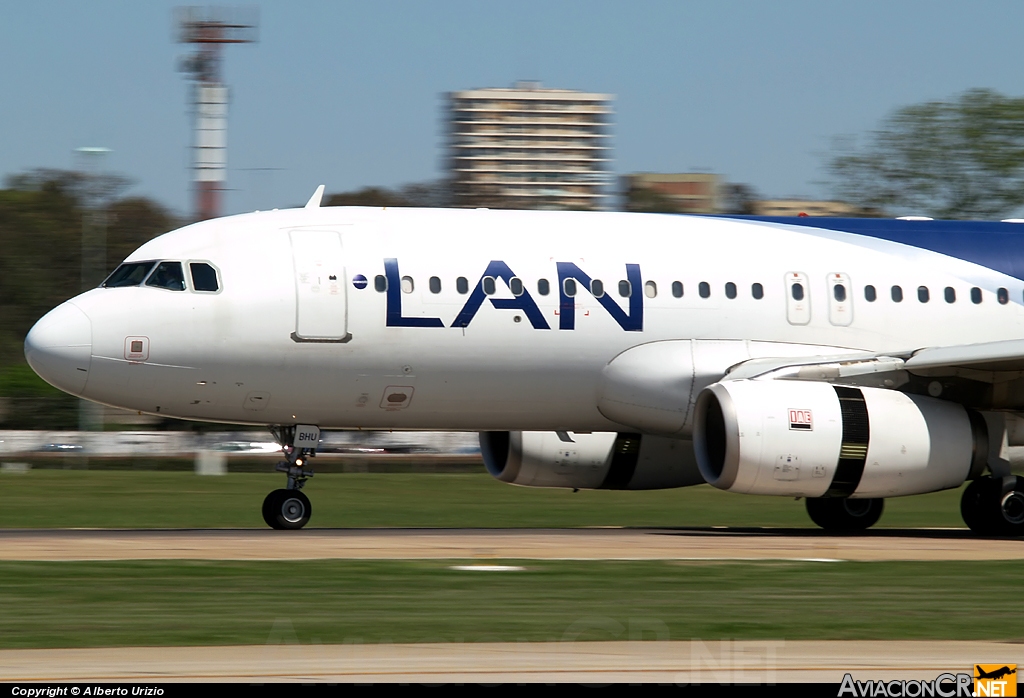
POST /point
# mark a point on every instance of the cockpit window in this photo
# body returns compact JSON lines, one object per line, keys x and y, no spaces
{"x":204,"y":277}
{"x":167,"y":275}
{"x":128,"y":274}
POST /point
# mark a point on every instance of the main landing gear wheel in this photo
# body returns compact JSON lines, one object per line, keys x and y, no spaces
{"x":286,"y":509}
{"x":994,"y":506}
{"x":845,"y":515}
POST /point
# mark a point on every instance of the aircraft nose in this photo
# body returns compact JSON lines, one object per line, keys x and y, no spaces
{"x":59,"y":348}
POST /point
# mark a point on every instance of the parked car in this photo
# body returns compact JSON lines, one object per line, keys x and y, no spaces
{"x":60,"y":448}
{"x":246,"y":447}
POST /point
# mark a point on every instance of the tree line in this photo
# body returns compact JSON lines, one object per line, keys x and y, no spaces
{"x":42,"y":216}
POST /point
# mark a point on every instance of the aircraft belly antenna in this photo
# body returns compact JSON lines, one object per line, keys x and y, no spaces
{"x":318,"y":195}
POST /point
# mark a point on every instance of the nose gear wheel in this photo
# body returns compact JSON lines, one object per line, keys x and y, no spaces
{"x":286,"y":509}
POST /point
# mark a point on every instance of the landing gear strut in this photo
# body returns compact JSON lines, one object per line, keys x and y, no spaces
{"x":845,"y":515}
{"x":994,"y":506}
{"x":290,"y":508}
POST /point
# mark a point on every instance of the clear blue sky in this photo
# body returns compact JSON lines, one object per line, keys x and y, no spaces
{"x":350,"y":93}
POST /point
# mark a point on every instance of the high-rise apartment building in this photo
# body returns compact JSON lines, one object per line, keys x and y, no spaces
{"x":530,"y":147}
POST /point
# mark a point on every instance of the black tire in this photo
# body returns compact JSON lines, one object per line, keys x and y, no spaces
{"x":978,"y":508}
{"x":287,"y":509}
{"x":845,"y":515}
{"x":269,"y":502}
{"x":1011,"y":508}
{"x":994,"y":506}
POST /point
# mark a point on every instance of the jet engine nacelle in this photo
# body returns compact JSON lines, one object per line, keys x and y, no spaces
{"x":601,"y":460}
{"x":810,"y":439}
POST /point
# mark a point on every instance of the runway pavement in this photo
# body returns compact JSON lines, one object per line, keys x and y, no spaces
{"x":687,"y":662}
{"x":526,"y":544}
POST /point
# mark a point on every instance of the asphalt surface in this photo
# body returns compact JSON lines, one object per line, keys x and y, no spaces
{"x":524,"y":544}
{"x":685,"y":663}
{"x":688,"y":662}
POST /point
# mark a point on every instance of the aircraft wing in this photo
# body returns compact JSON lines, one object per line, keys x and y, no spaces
{"x":830,"y":369}
{"x":998,"y":357}
{"x":989,"y":362}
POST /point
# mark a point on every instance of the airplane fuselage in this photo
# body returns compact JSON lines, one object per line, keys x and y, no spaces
{"x":485,"y":320}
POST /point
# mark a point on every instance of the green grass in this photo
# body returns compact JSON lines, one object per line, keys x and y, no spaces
{"x":148,"y":499}
{"x":74,"y":604}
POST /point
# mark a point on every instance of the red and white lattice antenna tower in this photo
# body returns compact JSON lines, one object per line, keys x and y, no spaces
{"x":209,"y":28}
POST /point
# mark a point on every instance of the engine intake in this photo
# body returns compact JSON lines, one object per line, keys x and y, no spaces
{"x":811,"y":439}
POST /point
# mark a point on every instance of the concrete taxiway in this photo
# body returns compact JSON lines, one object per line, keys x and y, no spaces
{"x":525,"y":544}
{"x":687,"y":662}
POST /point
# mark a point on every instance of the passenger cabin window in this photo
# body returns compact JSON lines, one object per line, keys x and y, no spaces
{"x":677,"y":289}
{"x":408,"y":286}
{"x":922,"y":294}
{"x":167,"y":275}
{"x":625,"y":289}
{"x":380,"y":283}
{"x":435,"y":284}
{"x":975,"y":295}
{"x":797,"y":291}
{"x":897,"y":294}
{"x":870,"y":294}
{"x":1003,"y":296}
{"x":597,"y":288}
{"x":839,"y":293}
{"x":950,"y":294}
{"x":489,"y":285}
{"x":757,"y":291}
{"x":730,"y":290}
{"x":569,"y":286}
{"x":128,"y":274}
{"x":650,"y":289}
{"x":543,"y":287}
{"x":461,"y":285}
{"x":204,"y":277}
{"x":516,"y":286}
{"x":704,"y":289}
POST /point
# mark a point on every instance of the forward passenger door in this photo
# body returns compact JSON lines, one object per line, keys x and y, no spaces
{"x":321,"y":303}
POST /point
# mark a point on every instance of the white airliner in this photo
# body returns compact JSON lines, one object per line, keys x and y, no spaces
{"x":843,"y":361}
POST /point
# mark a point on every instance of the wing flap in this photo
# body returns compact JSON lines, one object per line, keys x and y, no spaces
{"x":1003,"y":356}
{"x":820,"y":368}
{"x":990,"y":362}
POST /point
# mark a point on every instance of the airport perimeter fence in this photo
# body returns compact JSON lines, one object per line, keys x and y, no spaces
{"x":240,"y":451}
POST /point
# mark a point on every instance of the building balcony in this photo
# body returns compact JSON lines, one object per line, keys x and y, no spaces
{"x":581,"y":185}
{"x":532,"y":135}
{"x":530,"y":158}
{"x":523,"y":121}
{"x":525,"y":109}
{"x":534,"y":146}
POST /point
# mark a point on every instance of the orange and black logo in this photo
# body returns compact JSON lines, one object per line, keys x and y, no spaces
{"x":995,"y":680}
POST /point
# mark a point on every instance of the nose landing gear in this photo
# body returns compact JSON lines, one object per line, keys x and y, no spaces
{"x":289,"y":508}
